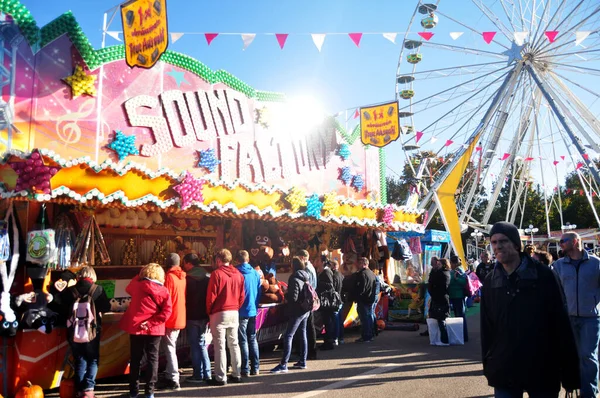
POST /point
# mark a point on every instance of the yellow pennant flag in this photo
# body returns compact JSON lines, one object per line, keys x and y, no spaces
{"x":444,"y":198}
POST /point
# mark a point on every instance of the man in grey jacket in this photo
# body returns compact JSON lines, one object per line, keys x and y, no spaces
{"x":580,"y":275}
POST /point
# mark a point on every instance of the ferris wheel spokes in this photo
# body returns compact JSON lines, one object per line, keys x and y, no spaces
{"x":465,"y":50}
{"x":494,"y":19}
{"x":469,"y":27}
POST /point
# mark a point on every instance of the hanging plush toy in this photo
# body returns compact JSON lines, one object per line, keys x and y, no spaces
{"x":9,"y":259}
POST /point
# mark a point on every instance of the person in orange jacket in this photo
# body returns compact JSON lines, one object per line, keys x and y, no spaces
{"x":144,"y":321}
{"x":175,"y":283}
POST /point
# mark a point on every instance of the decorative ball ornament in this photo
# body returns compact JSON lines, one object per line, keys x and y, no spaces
{"x":190,"y":190}
{"x":344,"y":151}
{"x":33,"y":174}
{"x":81,"y":83}
{"x":124,"y":145}
{"x":330,"y":203}
{"x":345,"y":175}
{"x":208,"y":160}
{"x":296,"y":198}
{"x":388,"y":214}
{"x":313,"y":206}
{"x":357,"y":182}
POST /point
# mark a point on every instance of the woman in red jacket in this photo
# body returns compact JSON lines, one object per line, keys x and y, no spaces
{"x":144,"y":320}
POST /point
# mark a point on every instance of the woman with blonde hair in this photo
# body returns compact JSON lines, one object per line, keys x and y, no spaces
{"x":144,"y":320}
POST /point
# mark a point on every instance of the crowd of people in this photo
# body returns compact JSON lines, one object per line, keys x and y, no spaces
{"x":225,"y":302}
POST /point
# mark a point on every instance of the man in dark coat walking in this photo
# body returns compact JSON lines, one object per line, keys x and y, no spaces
{"x":526,"y":337}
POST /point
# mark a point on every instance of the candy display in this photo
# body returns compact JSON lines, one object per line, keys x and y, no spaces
{"x":130,"y":253}
{"x":159,"y":254}
{"x":65,"y":241}
{"x":41,"y":246}
{"x":90,"y":248}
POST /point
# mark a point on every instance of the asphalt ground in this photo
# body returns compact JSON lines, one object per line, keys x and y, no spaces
{"x":396,"y":362}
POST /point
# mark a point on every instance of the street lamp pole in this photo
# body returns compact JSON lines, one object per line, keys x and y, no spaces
{"x":531,"y":230}
{"x":568,"y":227}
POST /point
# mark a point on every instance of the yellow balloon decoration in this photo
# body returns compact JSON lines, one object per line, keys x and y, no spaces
{"x":296,"y":198}
{"x":330,"y":203}
{"x":81,"y":83}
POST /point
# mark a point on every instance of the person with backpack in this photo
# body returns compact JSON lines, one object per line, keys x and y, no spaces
{"x":300,"y":302}
{"x":329,"y":302}
{"x":175,"y":282}
{"x":197,"y":317}
{"x":85,"y":302}
{"x":144,"y":321}
{"x":457,"y":292}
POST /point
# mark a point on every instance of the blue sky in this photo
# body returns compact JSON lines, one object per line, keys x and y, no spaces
{"x":341,"y":76}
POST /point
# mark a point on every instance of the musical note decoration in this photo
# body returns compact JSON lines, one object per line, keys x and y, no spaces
{"x":81,"y":83}
{"x":124,"y":145}
{"x":33,"y":174}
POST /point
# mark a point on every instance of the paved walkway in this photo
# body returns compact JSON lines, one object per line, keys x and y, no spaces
{"x":397,"y":362}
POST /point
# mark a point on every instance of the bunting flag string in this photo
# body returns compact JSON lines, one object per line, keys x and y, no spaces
{"x":318,"y":38}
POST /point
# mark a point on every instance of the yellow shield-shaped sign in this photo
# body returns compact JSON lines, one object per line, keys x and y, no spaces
{"x":145,"y":31}
{"x":379,"y":124}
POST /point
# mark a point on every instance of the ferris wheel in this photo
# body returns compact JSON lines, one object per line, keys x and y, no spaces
{"x":515,"y":85}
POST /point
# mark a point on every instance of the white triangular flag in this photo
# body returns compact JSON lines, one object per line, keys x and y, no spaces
{"x":318,"y":39}
{"x":581,"y":36}
{"x":114,"y":34}
{"x":175,"y":37}
{"x":456,"y":35}
{"x":433,"y":140}
{"x":248,"y":38}
{"x":520,"y":37}
{"x":391,"y":37}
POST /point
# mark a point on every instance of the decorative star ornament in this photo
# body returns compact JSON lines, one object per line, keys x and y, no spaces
{"x":190,"y":190}
{"x":388,"y":214}
{"x":514,"y":53}
{"x":357,"y":182}
{"x":330,"y":203}
{"x":81,"y":83}
{"x":179,"y":77}
{"x":33,"y":174}
{"x":124,"y":145}
{"x":208,"y":160}
{"x":344,"y":151}
{"x":345,"y":175}
{"x":296,"y":198}
{"x":313,"y":206}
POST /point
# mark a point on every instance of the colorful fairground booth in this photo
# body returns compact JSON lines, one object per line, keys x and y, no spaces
{"x":410,"y":265}
{"x":113,"y":166}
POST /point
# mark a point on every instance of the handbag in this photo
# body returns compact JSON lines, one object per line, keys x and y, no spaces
{"x":330,"y":299}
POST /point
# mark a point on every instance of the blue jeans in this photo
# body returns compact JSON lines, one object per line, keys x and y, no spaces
{"x":459,"y":306}
{"x":295,"y":324}
{"x":516,"y":393}
{"x":196,"y":334}
{"x":248,"y":343}
{"x":338,"y":324}
{"x":365,"y":314}
{"x":587,"y":333}
{"x":86,"y":357}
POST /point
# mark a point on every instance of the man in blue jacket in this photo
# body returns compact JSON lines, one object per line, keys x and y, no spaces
{"x":580,"y":275}
{"x":247,"y":328}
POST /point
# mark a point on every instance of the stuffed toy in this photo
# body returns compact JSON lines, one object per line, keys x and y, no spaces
{"x":36,"y":314}
{"x":9,"y":260}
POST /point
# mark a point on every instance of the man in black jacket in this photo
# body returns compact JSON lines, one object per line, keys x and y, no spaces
{"x":526,"y":337}
{"x":363,"y":293}
{"x":485,"y":266}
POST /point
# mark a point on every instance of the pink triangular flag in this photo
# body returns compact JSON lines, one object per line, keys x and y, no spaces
{"x":562,"y":157}
{"x":579,"y":165}
{"x":355,"y":37}
{"x":356,"y":114}
{"x":528,"y":159}
{"x":418,"y":136}
{"x":449,"y":142}
{"x":551,"y":35}
{"x":478,"y":149}
{"x":281,"y":38}
{"x":488,"y":36}
{"x":210,"y":37}
{"x":505,"y":156}
{"x":555,"y":162}
{"x":586,"y":156}
{"x":426,"y":35}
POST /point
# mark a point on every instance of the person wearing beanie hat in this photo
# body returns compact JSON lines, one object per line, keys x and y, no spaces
{"x":175,"y":282}
{"x":526,"y":338}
